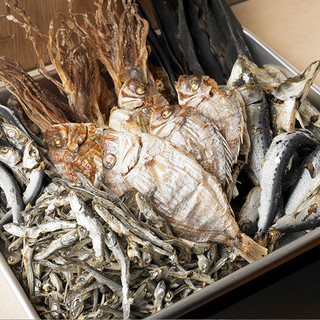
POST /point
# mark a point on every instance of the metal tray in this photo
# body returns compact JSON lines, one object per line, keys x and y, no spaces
{"x":299,"y":244}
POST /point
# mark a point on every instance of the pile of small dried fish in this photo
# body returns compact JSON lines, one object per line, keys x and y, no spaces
{"x":134,"y":202}
{"x":84,"y":254}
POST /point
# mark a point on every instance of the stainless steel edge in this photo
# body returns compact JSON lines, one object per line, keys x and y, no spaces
{"x":240,"y":277}
{"x":17,"y":289}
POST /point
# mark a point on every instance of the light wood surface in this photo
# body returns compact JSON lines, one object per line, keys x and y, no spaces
{"x":290,"y":27}
{"x":40,"y":12}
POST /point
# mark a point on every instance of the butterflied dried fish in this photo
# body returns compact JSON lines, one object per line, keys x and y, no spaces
{"x":193,"y":132}
{"x":147,"y":162}
{"x":76,"y":145}
{"x":221,"y":107}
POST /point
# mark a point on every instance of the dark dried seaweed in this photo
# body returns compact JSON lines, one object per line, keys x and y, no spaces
{"x":196,"y":18}
{"x":186,"y":43}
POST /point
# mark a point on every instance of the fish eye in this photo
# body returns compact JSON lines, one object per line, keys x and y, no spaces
{"x":33,"y":153}
{"x":141,"y":90}
{"x":58,"y":142}
{"x":110,"y":160}
{"x":195,"y":85}
{"x":12,"y":133}
{"x":167,"y":113}
{"x":4,"y":149}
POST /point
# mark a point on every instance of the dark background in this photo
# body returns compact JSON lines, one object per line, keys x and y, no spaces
{"x":291,"y":291}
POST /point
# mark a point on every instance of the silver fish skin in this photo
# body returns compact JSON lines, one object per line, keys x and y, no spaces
{"x":12,"y":158}
{"x":12,"y":193}
{"x":288,"y":97}
{"x":307,"y":184}
{"x":277,"y":158}
{"x":306,"y":217}
{"x":249,"y":214}
{"x":193,"y":132}
{"x":35,"y":184}
{"x":309,"y":114}
{"x":189,"y":198}
{"x":258,"y":118}
{"x":86,"y":219}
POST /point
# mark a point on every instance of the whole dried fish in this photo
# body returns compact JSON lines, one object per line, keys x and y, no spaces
{"x":282,"y":148}
{"x":257,"y":111}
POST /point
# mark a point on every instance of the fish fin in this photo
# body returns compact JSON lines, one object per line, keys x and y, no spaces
{"x":227,"y":152}
{"x":249,"y":249}
{"x":158,"y":183}
{"x":298,"y":117}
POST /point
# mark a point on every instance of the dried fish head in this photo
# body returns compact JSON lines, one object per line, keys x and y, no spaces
{"x":135,"y":94}
{"x":14,"y":135}
{"x":164,"y":120}
{"x":120,"y":155}
{"x":9,"y":155}
{"x":77,"y":146}
{"x":31,"y":156}
{"x":193,"y":89}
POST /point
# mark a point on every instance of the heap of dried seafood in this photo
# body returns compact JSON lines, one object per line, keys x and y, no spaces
{"x":122,"y":196}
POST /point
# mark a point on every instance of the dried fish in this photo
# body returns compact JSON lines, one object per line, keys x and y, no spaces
{"x":150,"y":162}
{"x":282,"y":148}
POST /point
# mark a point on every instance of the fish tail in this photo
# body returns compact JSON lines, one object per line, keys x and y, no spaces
{"x":249,"y":249}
